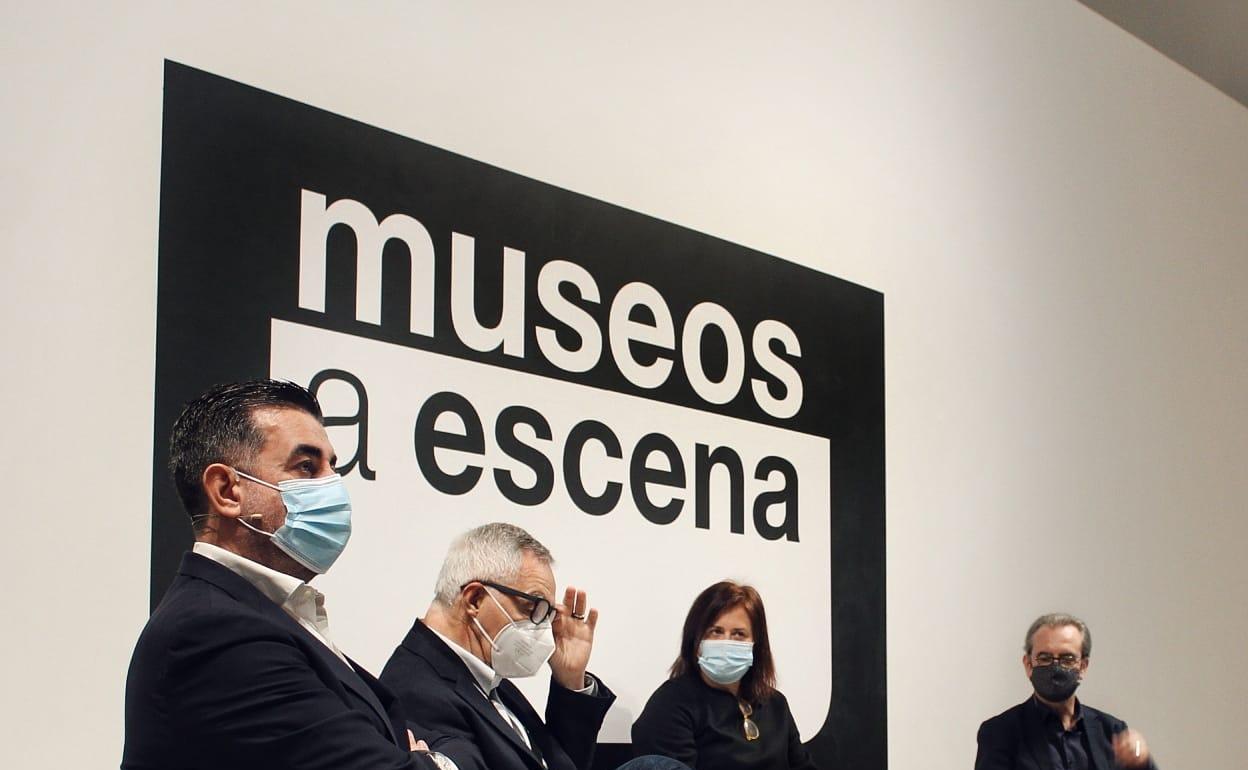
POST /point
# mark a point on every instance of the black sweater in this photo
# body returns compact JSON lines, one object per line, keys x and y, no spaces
{"x":688,"y":720}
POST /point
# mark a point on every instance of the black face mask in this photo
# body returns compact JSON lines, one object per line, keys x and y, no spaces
{"x":1054,"y":683}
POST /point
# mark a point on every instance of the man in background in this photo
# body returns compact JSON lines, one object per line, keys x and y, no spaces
{"x":1052,"y":730}
{"x":237,"y":667}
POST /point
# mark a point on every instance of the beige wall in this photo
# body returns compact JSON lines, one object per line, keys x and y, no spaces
{"x":1057,"y":216}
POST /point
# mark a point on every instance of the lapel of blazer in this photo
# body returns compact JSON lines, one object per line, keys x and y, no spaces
{"x":1095,"y":731}
{"x":423,"y":642}
{"x":369,"y":692}
{"x":1033,"y":735}
{"x":513,"y":699}
{"x":203,"y":568}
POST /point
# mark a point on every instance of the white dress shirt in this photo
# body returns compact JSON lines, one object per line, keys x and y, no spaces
{"x":302,"y":602}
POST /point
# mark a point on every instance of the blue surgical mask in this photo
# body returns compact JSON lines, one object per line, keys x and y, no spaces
{"x":724,"y":661}
{"x":318,"y":520}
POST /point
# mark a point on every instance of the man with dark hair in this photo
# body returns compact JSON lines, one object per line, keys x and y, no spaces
{"x":1052,"y":730}
{"x":237,"y":668}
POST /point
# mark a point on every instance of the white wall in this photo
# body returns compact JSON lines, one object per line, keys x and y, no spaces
{"x":1057,"y":216}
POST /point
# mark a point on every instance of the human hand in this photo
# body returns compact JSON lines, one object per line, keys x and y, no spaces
{"x":1130,"y":749}
{"x":416,"y":745}
{"x":574,"y":639}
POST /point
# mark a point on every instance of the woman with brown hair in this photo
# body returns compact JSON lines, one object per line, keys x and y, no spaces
{"x":720,"y":709}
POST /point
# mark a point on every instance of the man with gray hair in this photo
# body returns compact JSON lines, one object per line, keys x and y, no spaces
{"x":1052,"y":730}
{"x":495,"y":617}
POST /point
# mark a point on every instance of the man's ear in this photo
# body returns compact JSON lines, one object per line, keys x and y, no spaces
{"x":472,"y":595}
{"x":1027,"y":664}
{"x":223,"y":490}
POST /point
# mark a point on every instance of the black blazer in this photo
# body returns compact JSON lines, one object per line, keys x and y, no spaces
{"x":222,"y":677}
{"x":1010,"y":741}
{"x":439,"y":692}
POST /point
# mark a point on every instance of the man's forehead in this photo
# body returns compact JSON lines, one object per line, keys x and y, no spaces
{"x":285,"y":428}
{"x":536,"y":577}
{"x":1058,"y":635}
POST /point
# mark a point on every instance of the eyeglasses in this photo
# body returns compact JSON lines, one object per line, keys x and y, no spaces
{"x":541,"y":610}
{"x":747,"y":724}
{"x":1065,"y":660}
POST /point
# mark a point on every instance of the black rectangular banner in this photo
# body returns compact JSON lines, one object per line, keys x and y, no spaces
{"x":662,"y":408}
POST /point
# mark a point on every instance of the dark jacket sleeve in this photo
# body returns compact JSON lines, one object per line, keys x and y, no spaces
{"x":251,"y":698}
{"x":445,"y":723}
{"x":1112,"y":726}
{"x":667,"y":727}
{"x":997,"y":745}
{"x":574,"y":720}
{"x":799,"y":757}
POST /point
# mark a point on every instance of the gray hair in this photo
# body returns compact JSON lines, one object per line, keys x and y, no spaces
{"x":491,"y":552}
{"x":1057,"y":620}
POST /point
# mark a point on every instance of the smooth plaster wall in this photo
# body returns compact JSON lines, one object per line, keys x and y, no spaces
{"x":1057,"y":216}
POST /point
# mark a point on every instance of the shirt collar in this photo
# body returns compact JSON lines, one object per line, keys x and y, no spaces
{"x":1044,"y":713}
{"x":282,"y":589}
{"x":486,"y":678}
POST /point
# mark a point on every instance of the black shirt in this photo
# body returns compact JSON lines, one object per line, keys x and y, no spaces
{"x":1067,"y":749}
{"x":702,"y":726}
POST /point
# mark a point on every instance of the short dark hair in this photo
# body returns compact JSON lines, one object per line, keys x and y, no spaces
{"x":1057,"y":620}
{"x":759,"y":683}
{"x":218,"y":427}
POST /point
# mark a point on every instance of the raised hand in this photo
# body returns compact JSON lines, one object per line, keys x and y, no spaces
{"x":574,"y":638}
{"x":1130,"y":749}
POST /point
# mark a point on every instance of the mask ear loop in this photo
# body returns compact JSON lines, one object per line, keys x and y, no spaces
{"x":481,"y":628}
{"x":493,"y":646}
{"x":255,"y":516}
{"x":241,"y":520}
{"x":261,"y":482}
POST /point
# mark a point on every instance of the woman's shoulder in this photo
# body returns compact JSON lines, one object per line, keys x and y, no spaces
{"x":678,"y":688}
{"x":777,"y":701}
{"x":674,"y":701}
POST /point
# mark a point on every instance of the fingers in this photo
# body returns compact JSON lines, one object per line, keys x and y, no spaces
{"x":411,"y":741}
{"x":1130,"y":750}
{"x":575,"y":603}
{"x":592,"y":619}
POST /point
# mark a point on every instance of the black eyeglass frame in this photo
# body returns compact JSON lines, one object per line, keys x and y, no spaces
{"x":1066,"y":660}
{"x":537,"y":615}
